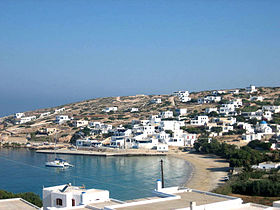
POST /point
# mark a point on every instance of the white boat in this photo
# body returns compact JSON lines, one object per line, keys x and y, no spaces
{"x":58,"y":163}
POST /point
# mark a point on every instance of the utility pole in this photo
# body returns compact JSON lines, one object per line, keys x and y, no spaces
{"x":162,"y":178}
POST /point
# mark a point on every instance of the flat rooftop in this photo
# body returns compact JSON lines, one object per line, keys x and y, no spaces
{"x":16,"y":204}
{"x":183,"y":202}
{"x":70,"y":188}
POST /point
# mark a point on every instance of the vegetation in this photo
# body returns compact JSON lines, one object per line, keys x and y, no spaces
{"x":254,"y":183}
{"x":256,"y":144}
{"x":196,"y":130}
{"x":29,"y":196}
{"x":243,"y":157}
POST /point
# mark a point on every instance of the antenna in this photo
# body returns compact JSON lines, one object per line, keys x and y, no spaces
{"x":162,"y":178}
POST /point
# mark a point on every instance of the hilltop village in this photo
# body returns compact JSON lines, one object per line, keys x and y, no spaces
{"x":151,"y":122}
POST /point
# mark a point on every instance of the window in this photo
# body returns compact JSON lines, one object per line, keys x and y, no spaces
{"x":59,"y":202}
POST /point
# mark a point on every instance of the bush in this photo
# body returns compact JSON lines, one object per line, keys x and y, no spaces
{"x":28,"y":196}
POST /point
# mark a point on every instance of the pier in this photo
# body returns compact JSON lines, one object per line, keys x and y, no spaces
{"x":105,"y":154}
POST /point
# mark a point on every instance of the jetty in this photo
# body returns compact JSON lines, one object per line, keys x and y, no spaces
{"x":104,"y":154}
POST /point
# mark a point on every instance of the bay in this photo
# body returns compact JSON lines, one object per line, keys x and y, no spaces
{"x":23,"y":170}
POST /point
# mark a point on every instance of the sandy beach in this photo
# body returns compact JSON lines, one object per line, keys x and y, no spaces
{"x":208,"y":170}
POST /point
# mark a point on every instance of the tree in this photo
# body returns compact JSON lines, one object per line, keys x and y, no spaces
{"x":216,"y":129}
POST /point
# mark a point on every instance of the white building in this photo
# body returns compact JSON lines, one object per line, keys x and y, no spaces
{"x":218,"y":92}
{"x":252,"y":136}
{"x":166,"y":114}
{"x":45,"y":114}
{"x":162,"y":147}
{"x":80,"y":143}
{"x":256,"y":98}
{"x":68,"y":196}
{"x":211,"y":109}
{"x":236,"y":91}
{"x":267,"y":166}
{"x":61,"y":119}
{"x":251,"y":89}
{"x":134,"y":110}
{"x":209,"y":99}
{"x":80,"y":123}
{"x":59,"y":110}
{"x":156,"y":101}
{"x":227,"y":109}
{"x":171,"y":125}
{"x":200,"y":120}
{"x":25,"y":119}
{"x":236,"y":102}
{"x":110,"y":109}
{"x":181,"y":112}
{"x":183,"y":96}
{"x":19,"y":115}
{"x":154,"y":119}
{"x":262,"y":127}
{"x":273,"y":109}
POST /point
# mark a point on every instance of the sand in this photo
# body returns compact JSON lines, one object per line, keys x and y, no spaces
{"x":208,"y":170}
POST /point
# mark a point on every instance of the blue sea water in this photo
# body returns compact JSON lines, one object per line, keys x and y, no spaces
{"x":22,"y":170}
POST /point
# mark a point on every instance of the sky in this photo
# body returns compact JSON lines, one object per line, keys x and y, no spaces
{"x":61,"y":51}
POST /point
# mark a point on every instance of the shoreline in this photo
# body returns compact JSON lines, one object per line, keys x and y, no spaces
{"x":208,"y":171}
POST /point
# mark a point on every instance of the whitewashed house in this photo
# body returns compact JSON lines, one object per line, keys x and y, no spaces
{"x":256,"y":98}
{"x":246,"y":126}
{"x":166,"y":115}
{"x":183,"y":96}
{"x":154,"y":119}
{"x":147,"y":143}
{"x":227,"y":109}
{"x":209,"y":99}
{"x":23,"y":120}
{"x":68,"y":196}
{"x":19,"y":115}
{"x":61,"y":119}
{"x":227,"y":128}
{"x":45,"y":114}
{"x":251,"y":89}
{"x":211,"y":109}
{"x":80,"y":123}
{"x":87,"y":143}
{"x":236,"y":102}
{"x":200,"y":120}
{"x":148,"y":129}
{"x":59,"y":110}
{"x":267,"y":165}
{"x":251,"y":136}
{"x":181,"y":112}
{"x":273,"y":109}
{"x":235,"y":91}
{"x":134,"y":110}
{"x":110,"y":109}
{"x":162,"y":147}
{"x":171,"y":125}
{"x":156,"y":101}
{"x":218,"y":92}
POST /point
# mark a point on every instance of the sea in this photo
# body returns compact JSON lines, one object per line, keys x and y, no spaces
{"x":23,"y":170}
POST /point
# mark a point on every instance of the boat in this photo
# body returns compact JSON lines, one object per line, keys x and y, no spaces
{"x":59,"y":163}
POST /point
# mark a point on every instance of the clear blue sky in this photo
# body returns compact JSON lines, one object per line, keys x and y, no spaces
{"x":59,"y":51}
